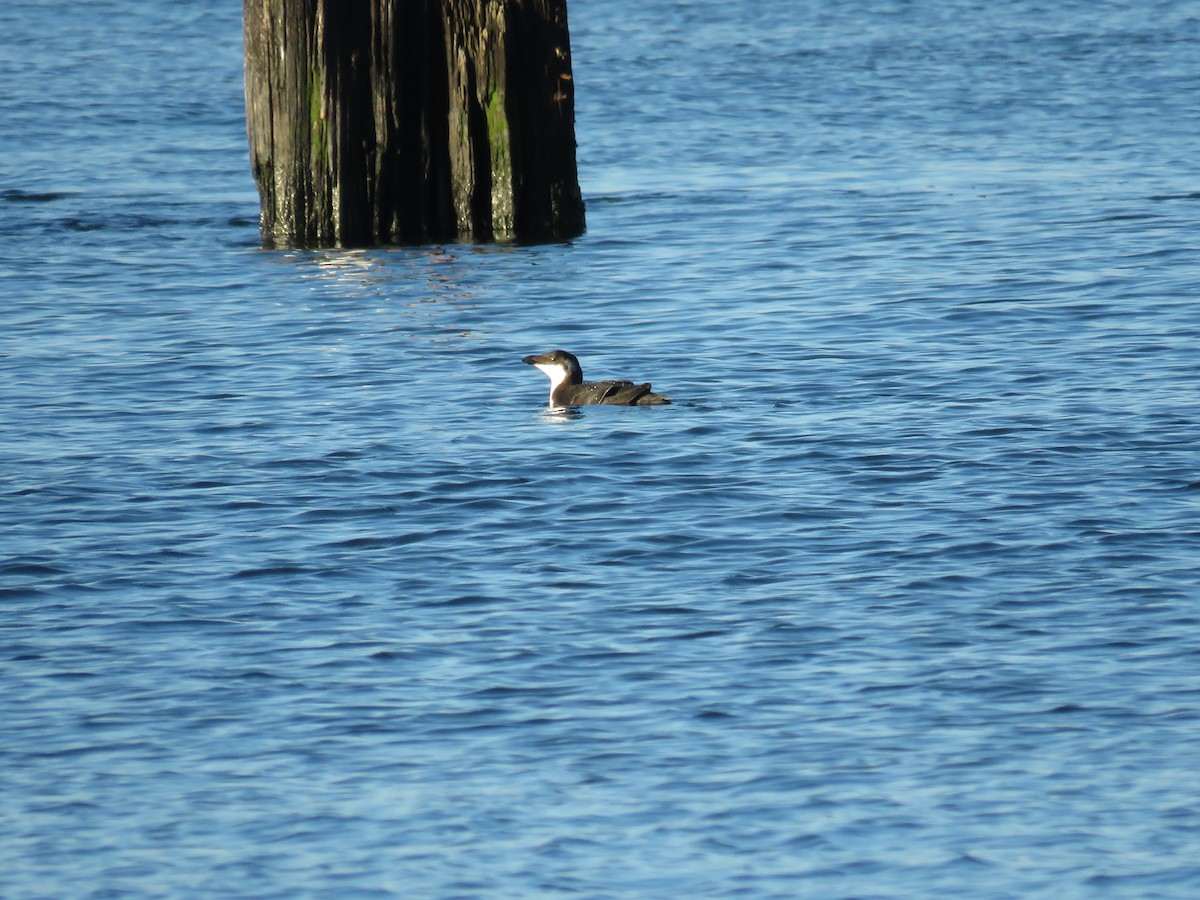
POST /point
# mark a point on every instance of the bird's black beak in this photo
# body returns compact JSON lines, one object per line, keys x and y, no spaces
{"x":532,"y":360}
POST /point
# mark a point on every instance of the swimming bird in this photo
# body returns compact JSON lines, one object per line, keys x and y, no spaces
{"x":567,"y":387}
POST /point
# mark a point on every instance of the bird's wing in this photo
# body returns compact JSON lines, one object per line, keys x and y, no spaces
{"x":598,"y":392}
{"x":626,"y":393}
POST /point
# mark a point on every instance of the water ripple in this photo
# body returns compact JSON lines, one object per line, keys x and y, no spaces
{"x":305,"y":591}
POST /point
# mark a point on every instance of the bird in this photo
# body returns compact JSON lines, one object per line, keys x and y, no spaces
{"x":567,"y":387}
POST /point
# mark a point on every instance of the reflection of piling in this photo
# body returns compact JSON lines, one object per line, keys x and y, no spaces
{"x":387,"y":121}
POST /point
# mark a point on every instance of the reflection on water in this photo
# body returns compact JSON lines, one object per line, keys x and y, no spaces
{"x":374,"y":279}
{"x":559,"y":415}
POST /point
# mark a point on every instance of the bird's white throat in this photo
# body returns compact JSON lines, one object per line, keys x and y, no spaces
{"x":556,"y":373}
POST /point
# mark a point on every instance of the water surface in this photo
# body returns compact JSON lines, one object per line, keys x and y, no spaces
{"x":306,"y":594}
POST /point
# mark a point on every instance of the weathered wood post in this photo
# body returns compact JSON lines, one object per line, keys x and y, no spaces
{"x":394,"y":121}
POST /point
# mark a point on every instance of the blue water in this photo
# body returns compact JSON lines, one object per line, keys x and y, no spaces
{"x":305,"y":594}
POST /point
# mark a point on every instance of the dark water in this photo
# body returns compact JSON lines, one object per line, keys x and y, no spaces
{"x":305,"y":595}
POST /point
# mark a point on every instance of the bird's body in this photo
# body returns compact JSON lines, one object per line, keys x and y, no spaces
{"x":567,"y":387}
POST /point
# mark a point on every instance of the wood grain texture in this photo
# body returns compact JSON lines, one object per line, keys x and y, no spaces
{"x":394,"y":121}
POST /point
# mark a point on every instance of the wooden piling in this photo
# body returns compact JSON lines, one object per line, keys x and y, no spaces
{"x":397,"y":121}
